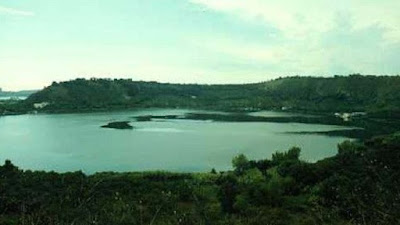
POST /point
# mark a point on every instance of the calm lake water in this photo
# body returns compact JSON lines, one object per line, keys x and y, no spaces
{"x":71,"y":142}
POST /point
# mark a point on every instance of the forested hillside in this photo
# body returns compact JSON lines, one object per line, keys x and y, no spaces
{"x":336,"y":94}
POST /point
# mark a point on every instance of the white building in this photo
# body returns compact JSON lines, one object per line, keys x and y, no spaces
{"x":40,"y":105}
{"x":348,"y":116}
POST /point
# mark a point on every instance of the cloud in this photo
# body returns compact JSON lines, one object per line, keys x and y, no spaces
{"x":300,"y":19}
{"x":341,"y":50}
{"x":15,"y":12}
{"x":314,"y":37}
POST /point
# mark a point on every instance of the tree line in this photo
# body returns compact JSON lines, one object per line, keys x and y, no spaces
{"x":378,"y":95}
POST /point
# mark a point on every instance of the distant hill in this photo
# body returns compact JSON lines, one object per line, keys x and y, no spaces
{"x":24,"y":93}
{"x":335,"y":94}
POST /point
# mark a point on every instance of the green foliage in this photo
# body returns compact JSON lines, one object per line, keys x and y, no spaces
{"x":240,"y":163}
{"x":292,"y":155}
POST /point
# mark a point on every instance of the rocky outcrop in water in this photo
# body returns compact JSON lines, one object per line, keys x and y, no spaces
{"x":122,"y":125}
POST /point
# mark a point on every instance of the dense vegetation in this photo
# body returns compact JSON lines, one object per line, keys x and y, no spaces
{"x":379,"y":95}
{"x":360,"y":185}
{"x":13,"y":105}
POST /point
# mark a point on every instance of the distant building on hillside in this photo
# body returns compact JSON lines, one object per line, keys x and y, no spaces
{"x":40,"y":105}
{"x":1,"y":90}
{"x":348,"y":116}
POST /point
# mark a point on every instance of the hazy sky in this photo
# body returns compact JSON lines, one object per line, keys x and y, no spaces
{"x":206,"y":41}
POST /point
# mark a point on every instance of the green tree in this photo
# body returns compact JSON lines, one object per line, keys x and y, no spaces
{"x":240,"y":163}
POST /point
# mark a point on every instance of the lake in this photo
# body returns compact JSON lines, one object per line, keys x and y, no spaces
{"x":70,"y":142}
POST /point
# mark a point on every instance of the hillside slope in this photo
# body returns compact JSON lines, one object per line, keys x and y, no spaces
{"x":339,"y":93}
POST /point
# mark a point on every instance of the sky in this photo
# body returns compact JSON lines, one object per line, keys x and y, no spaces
{"x":195,"y":41}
